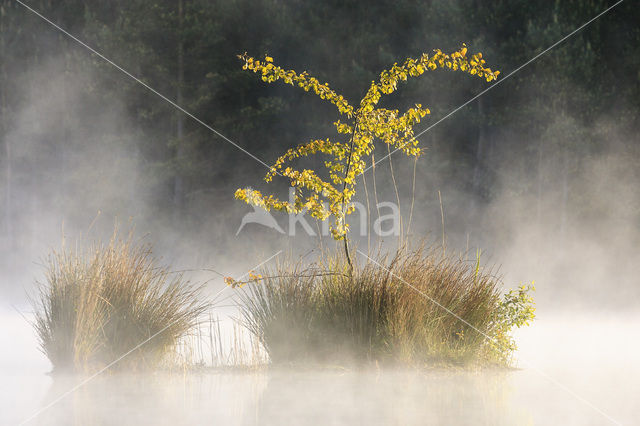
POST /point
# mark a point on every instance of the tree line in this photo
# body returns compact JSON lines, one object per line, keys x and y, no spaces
{"x":544,"y":121}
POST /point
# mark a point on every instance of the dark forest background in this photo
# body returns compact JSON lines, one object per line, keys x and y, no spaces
{"x":551,"y":149}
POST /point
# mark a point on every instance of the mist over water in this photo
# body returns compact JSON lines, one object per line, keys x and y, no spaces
{"x":558,"y":213}
{"x":593,"y":358}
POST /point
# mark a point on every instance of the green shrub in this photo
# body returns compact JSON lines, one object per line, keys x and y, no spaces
{"x":323,"y":313}
{"x":97,"y":305}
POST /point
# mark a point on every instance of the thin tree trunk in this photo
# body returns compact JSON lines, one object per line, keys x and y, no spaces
{"x":395,"y":187}
{"x":8,"y":206}
{"x":476,"y":180}
{"x":8,"y":196}
{"x":565,"y":193}
{"x":65,"y":147}
{"x":344,"y":186}
{"x":178,"y":189}
{"x":375,"y":189}
{"x":480,"y":142}
{"x":540,"y":175}
{"x":413,"y":200}
{"x":366,"y":192}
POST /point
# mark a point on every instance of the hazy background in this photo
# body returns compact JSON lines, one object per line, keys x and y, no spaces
{"x":541,"y":172}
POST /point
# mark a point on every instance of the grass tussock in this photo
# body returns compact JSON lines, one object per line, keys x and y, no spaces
{"x":420,"y":308}
{"x":97,"y":305}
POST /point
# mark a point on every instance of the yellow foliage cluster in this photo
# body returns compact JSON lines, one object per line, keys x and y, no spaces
{"x":366,"y":124}
{"x":233,"y":283}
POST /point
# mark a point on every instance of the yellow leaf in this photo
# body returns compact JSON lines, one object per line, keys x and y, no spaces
{"x":268,"y":59}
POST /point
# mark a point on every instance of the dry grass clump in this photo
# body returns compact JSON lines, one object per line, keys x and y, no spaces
{"x":97,"y":305}
{"x":444,"y":308}
{"x":421,"y":308}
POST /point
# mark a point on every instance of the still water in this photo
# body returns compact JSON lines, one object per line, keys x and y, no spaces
{"x":574,"y":370}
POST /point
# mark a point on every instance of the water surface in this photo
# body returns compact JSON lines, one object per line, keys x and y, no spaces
{"x":560,"y":355}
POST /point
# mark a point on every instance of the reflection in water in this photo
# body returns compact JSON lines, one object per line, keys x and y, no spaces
{"x":159,"y":399}
{"x":285,"y":397}
{"x":390,"y":398}
{"x":597,"y":358}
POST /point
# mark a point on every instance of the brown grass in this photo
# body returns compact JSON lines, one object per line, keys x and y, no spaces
{"x":98,"y":304}
{"x":321,"y":313}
